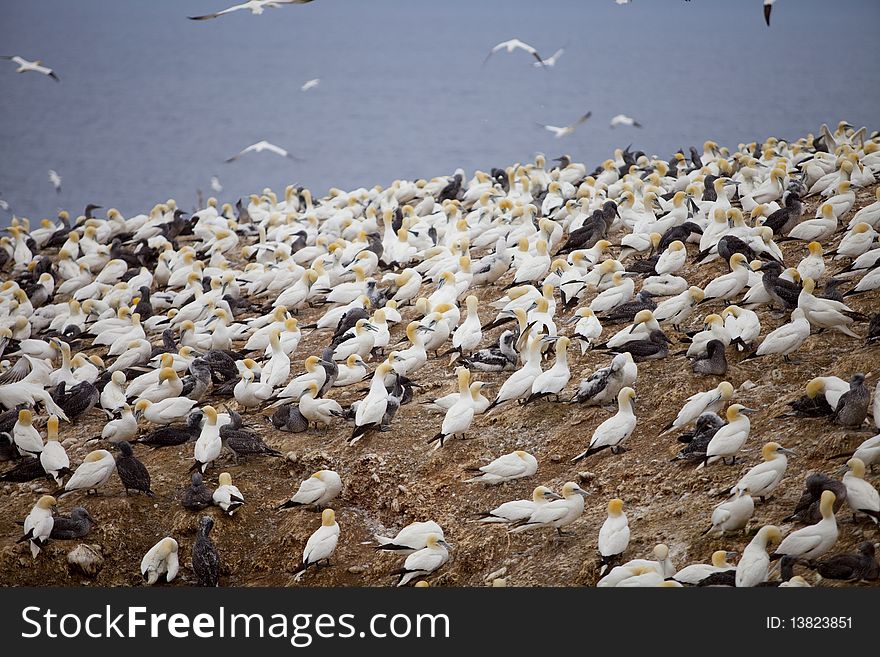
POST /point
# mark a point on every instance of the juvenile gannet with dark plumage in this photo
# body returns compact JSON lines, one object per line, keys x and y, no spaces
{"x":613,"y":431}
{"x":161,"y":559}
{"x":515,"y":465}
{"x":603,"y":386}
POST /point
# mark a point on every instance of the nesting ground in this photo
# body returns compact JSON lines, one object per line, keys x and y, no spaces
{"x":394,"y":478}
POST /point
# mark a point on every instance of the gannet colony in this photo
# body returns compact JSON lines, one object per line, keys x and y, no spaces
{"x":651,"y":373}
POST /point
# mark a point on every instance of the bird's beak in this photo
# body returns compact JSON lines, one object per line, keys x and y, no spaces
{"x":748,"y":411}
{"x":549,"y":338}
{"x":425,"y":329}
{"x":582,"y":492}
{"x":371,"y":327}
{"x":787,"y":451}
{"x":633,"y":327}
{"x":553,"y":496}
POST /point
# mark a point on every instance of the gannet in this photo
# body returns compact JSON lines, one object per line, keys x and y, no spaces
{"x":371,"y":409}
{"x":558,"y":513}
{"x":763,"y":479}
{"x":25,"y":436}
{"x":161,"y":559}
{"x":514,"y":44}
{"x":768,"y":8}
{"x":869,"y":451}
{"x":460,"y":415}
{"x":814,"y":540}
{"x":613,"y":431}
{"x":425,"y":561}
{"x":567,"y":130}
{"x":519,"y":384}
{"x":122,"y":428}
{"x":132,"y":472}
{"x":227,"y":496}
{"x":614,"y":534}
{"x":38,"y":524}
{"x":519,"y":510}
{"x":92,"y":473}
{"x":755,"y":562}
{"x":411,"y":538}
{"x":696,"y":573}
{"x":256,"y":7}
{"x":860,"y":566}
{"x":550,"y":61}
{"x":320,"y":411}
{"x":702,"y":402}
{"x":321,"y":544}
{"x":166,"y":411}
{"x":824,"y":313}
{"x":623,"y":119}
{"x":734,"y":514}
{"x":205,"y":560}
{"x":552,"y":381}
{"x":318,"y":490}
{"x":208,"y":445}
{"x":310,"y":84}
{"x":25,"y":66}
{"x":786,"y":339}
{"x":861,"y":496}
{"x":603,"y":386}
{"x":730,"y":438}
{"x":263,"y":145}
{"x":515,"y":465}
{"x":662,"y":566}
{"x":53,"y":457}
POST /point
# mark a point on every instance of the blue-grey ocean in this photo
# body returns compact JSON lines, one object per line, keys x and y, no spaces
{"x":150,"y":103}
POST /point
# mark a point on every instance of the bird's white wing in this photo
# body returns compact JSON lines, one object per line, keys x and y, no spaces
{"x":800,"y":542}
{"x":218,"y":14}
{"x":508,"y":465}
{"x":275,"y":149}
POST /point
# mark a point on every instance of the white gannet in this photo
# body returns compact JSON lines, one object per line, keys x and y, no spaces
{"x":320,"y":411}
{"x":411,"y":538}
{"x":676,"y":310}
{"x":256,"y":7}
{"x":697,"y":572}
{"x":763,"y":479}
{"x":208,"y":445}
{"x":460,"y":416}
{"x":786,"y":339}
{"x":310,"y":84}
{"x":514,"y":44}
{"x":755,"y":562}
{"x":734,"y":514}
{"x":560,"y":132}
{"x":36,"y":66}
{"x":587,"y":328}
{"x":54,"y":458}
{"x":729,"y":285}
{"x":166,"y":411}
{"x":815,"y":540}
{"x":321,"y":544}
{"x":824,"y":313}
{"x":25,"y":436}
{"x":371,"y":409}
{"x":662,"y":566}
{"x":123,"y":428}
{"x":227,"y":496}
{"x":614,"y":534}
{"x":161,"y":559}
{"x":259,"y":147}
{"x":515,"y":465}
{"x":38,"y":524}
{"x":552,"y":381}
{"x":702,"y":402}
{"x":519,"y":510}
{"x":93,"y":472}
{"x":318,"y":490}
{"x":613,"y":431}
{"x":558,"y":513}
{"x":861,"y":496}
{"x":551,"y":60}
{"x":623,"y":119}
{"x":425,"y":561}
{"x":730,"y":438}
